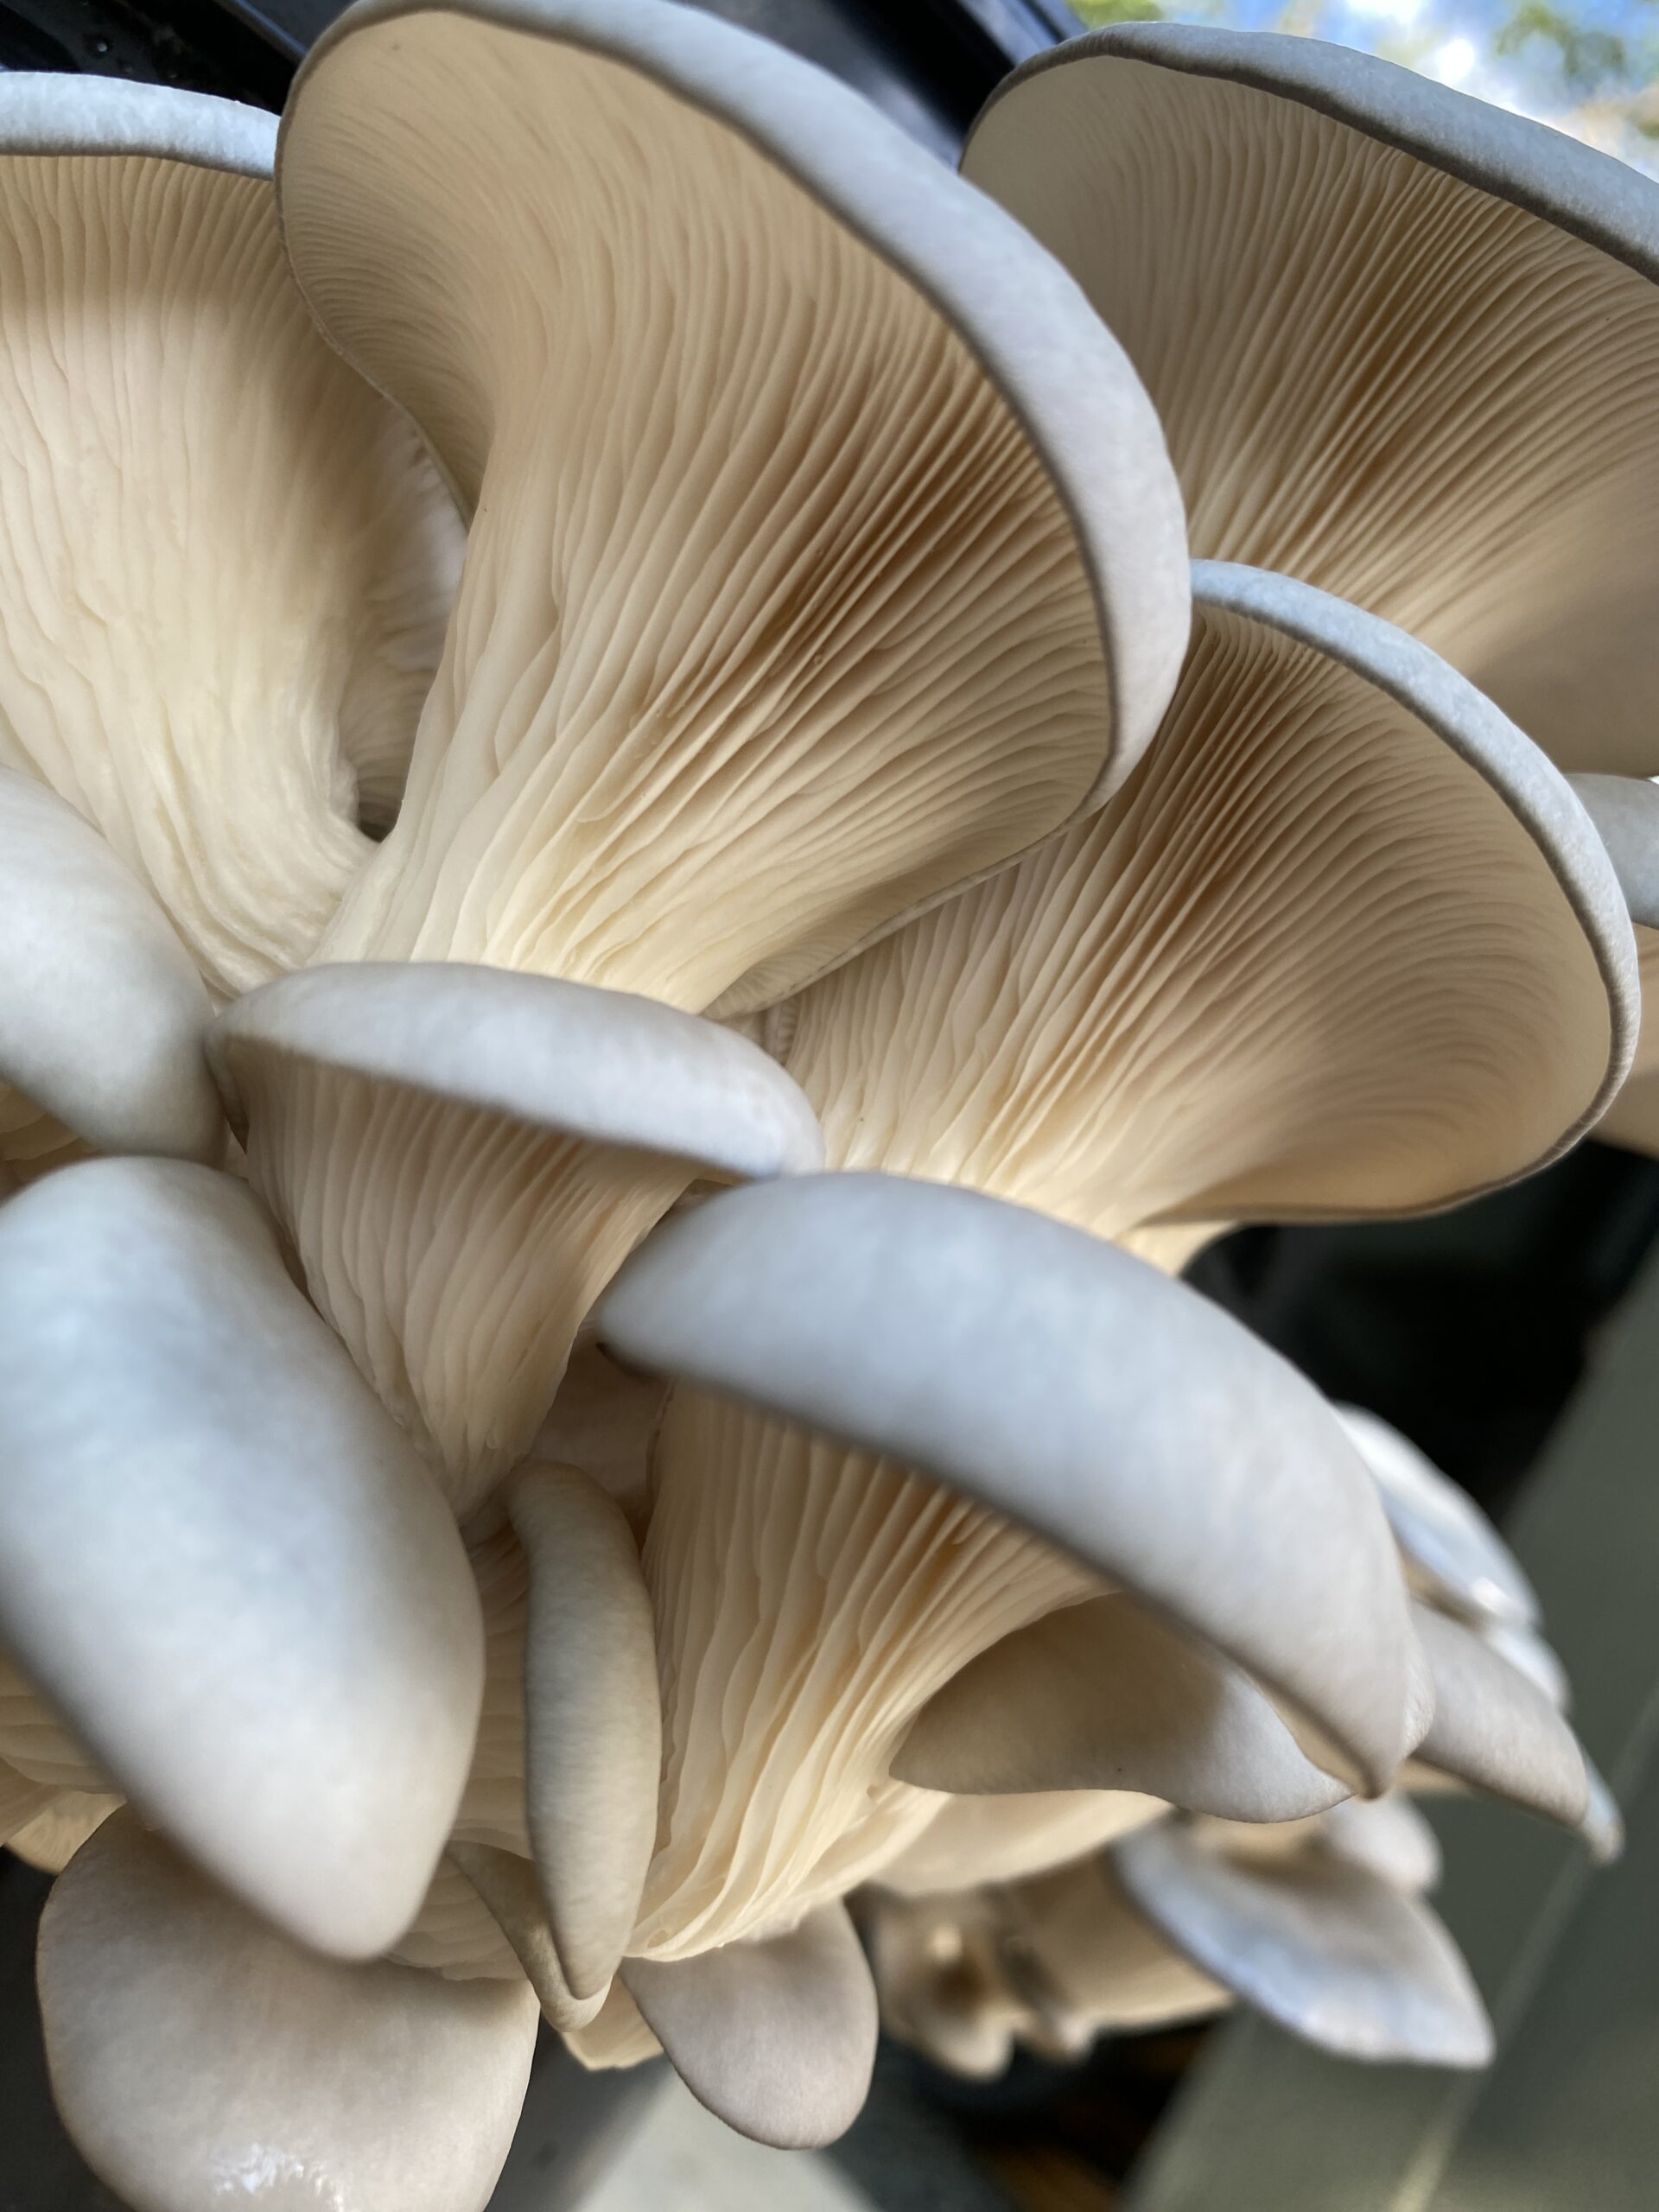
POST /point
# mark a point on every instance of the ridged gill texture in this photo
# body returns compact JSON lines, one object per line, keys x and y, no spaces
{"x":809,"y":1600}
{"x":224,"y":562}
{"x":1372,"y":376}
{"x":454,"y":1250}
{"x":772,"y":624}
{"x":1306,"y":962}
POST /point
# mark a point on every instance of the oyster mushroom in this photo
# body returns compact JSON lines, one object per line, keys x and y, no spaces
{"x":1172,"y":1013}
{"x":224,"y":563}
{"x":870,"y":577}
{"x":1403,"y":344}
{"x":943,"y":1334}
{"x":220,"y":1561}
{"x":464,"y":1154}
{"x":195,"y":2054}
{"x":1293,"y":969}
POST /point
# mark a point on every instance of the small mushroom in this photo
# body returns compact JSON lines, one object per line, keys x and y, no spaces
{"x":1495,"y":1730}
{"x":220,"y":1561}
{"x":778,"y":2038}
{"x":1322,"y":1945}
{"x":196,"y":2056}
{"x":593,"y":1724}
{"x":1403,"y":344}
{"x":1103,"y":1695}
{"x":224,"y":563}
{"x":1453,"y":1552}
{"x":462,"y":1156}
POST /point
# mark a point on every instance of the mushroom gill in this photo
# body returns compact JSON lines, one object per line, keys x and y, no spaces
{"x":1301,"y":963}
{"x":224,"y":563}
{"x":1403,"y":344}
{"x":823,"y":552}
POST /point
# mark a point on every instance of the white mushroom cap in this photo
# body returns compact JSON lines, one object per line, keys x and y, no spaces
{"x":1495,"y":1730}
{"x":593,"y":1724}
{"x":1049,"y":1376}
{"x":1345,"y":944}
{"x":1403,"y":344}
{"x":1103,"y":1695}
{"x":196,"y":2056}
{"x":1633,"y":1118}
{"x":219,"y":1559}
{"x":463,"y":1155}
{"x":1455,"y":1553}
{"x":778,"y":2038}
{"x":1061,"y":1382}
{"x":824,"y":552}
{"x":1325,"y":1947}
{"x":1625,"y":811}
{"x":224,"y":563}
{"x":102,"y":1013}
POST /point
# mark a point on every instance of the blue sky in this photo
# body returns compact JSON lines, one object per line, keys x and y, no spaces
{"x":1590,"y":67}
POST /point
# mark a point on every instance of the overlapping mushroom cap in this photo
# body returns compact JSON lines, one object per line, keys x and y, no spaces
{"x":1319,"y":1922}
{"x":1404,"y":346}
{"x":808,"y":793}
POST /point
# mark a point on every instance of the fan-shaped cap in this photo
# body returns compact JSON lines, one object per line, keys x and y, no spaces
{"x":462,"y":1155}
{"x":1067,"y":1385}
{"x":1495,"y":1730}
{"x":219,"y":1557}
{"x":779,"y":2037}
{"x":1104,"y":1696}
{"x":1325,"y":1947}
{"x":1346,"y":944}
{"x":1456,"y":1554}
{"x":196,"y":2056}
{"x":824,"y":552}
{"x":1403,"y":344}
{"x":224,"y":563}
{"x":102,"y":1014}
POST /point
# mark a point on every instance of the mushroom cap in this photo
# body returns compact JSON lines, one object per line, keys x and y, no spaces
{"x":196,"y":2053}
{"x":54,"y":113}
{"x":593,"y":1722}
{"x":776,"y":2037}
{"x":1067,"y":1385}
{"x":1454,"y":1549}
{"x":219,"y":1557}
{"x":1324,"y":1946}
{"x":606,"y":1066}
{"x":1625,"y":811}
{"x":225,"y":561}
{"x":1495,"y":1730}
{"x":869,"y":577}
{"x":462,"y":1157}
{"x":1403,"y":343}
{"x":102,"y":1013}
{"x":1345,"y":944}
{"x":1103,"y":1695}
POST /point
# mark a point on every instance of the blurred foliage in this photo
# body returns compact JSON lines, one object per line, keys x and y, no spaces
{"x":1590,"y":68}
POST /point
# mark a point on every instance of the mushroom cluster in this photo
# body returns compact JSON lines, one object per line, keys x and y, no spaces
{"x":1319,"y":1922}
{"x":584,"y":626}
